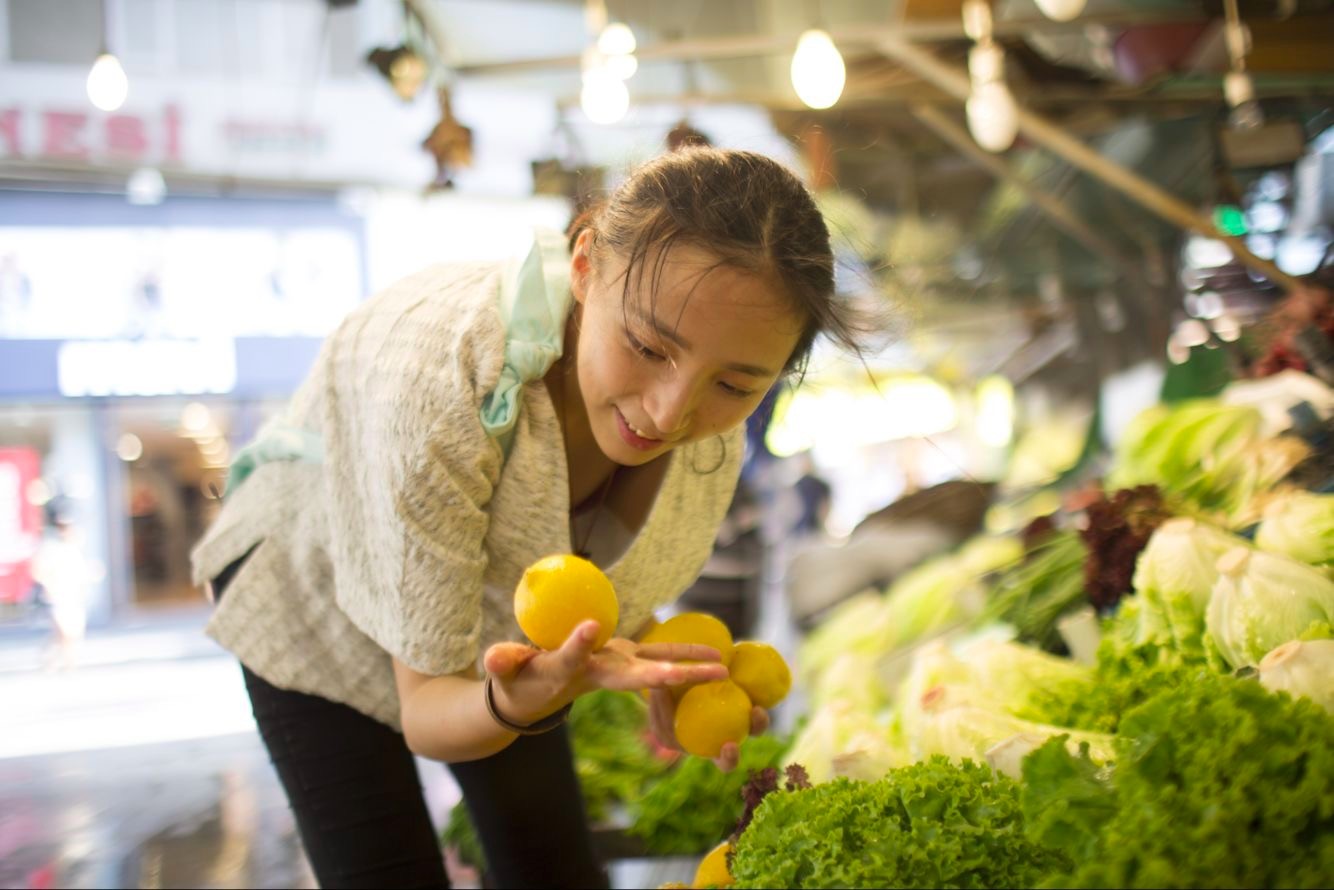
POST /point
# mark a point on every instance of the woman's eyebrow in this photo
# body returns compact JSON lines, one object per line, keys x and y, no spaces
{"x":683,"y":343}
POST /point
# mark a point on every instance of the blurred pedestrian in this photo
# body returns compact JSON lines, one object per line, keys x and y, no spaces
{"x":66,"y":576}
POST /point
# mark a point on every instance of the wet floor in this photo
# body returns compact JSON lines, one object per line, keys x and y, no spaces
{"x":142,"y":769}
{"x":196,"y":813}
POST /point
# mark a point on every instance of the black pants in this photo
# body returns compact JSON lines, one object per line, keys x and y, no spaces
{"x":354,"y":790}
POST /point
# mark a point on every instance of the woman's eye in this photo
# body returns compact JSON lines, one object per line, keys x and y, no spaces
{"x":736,"y":391}
{"x":645,"y":351}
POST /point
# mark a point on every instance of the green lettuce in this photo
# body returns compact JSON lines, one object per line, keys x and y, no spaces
{"x":1263,"y":600}
{"x":993,"y":672}
{"x":687,"y":810}
{"x":1134,"y":663}
{"x":936,"y":596}
{"x":970,"y":732}
{"x":841,"y":739}
{"x":1219,"y":783}
{"x":932,"y":824}
{"x":1174,"y":580}
{"x":1301,"y":668}
{"x":1213,"y":455}
{"x":1299,"y":525}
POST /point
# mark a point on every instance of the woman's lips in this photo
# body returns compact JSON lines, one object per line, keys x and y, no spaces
{"x":633,"y":439}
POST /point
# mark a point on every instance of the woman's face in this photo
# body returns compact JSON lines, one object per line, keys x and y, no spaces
{"x":682,"y":365}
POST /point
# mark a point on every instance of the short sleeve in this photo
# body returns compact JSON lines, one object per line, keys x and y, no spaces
{"x":409,"y":469}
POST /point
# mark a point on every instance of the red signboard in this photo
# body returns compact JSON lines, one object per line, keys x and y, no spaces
{"x":20,"y":521}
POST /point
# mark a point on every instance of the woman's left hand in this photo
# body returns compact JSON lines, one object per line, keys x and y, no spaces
{"x":662,"y":721}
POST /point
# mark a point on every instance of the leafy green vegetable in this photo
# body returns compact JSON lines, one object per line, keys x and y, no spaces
{"x":1263,"y":600}
{"x":932,"y":824}
{"x":1212,"y":454}
{"x":690,"y":808}
{"x":1301,"y":668}
{"x":1220,"y":783}
{"x":969,"y":732}
{"x":460,"y":833}
{"x":1033,"y":595}
{"x":611,"y":754}
{"x":612,"y":759}
{"x":992,"y":672}
{"x":1118,"y":527}
{"x":1133,"y":665}
{"x":1299,"y":525}
{"x":938,"y":594}
{"x":842,"y":739}
{"x":1175,"y":580}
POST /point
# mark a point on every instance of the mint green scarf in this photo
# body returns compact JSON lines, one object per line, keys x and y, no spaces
{"x":534,"y":298}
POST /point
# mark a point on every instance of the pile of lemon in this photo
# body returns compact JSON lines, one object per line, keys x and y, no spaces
{"x":558,"y":593}
{"x":709,"y":715}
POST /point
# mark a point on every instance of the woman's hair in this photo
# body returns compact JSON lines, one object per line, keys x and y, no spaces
{"x":747,"y":210}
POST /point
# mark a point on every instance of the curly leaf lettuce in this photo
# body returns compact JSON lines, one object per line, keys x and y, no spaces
{"x":932,"y":824}
{"x":1219,"y":783}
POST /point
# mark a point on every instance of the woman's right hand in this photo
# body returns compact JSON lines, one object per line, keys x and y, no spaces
{"x":530,"y":683}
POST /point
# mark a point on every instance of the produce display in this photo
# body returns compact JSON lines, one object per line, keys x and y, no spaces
{"x":676,"y":805}
{"x":1136,"y":691}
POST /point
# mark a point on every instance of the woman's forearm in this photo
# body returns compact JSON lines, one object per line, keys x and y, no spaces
{"x":445,"y":718}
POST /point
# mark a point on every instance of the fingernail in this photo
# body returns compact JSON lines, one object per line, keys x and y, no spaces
{"x":589,"y":631}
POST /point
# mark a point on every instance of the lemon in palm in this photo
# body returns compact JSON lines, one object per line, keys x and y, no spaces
{"x":710,"y":715}
{"x":713,"y":870}
{"x":558,"y":593}
{"x":759,"y":670}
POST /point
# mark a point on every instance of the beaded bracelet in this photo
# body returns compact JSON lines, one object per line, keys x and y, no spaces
{"x":546,"y":724}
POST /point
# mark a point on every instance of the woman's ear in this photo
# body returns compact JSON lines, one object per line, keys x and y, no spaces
{"x":581,"y":265}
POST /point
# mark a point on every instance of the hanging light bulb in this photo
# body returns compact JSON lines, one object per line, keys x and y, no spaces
{"x":818,"y":72}
{"x":108,"y":86}
{"x":604,"y":97}
{"x":986,"y":62}
{"x":616,"y":40}
{"x":1061,"y":10}
{"x":623,"y":66}
{"x":977,"y":19}
{"x":993,"y":115}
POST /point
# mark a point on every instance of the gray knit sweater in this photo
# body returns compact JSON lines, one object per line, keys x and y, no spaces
{"x":408,"y":540}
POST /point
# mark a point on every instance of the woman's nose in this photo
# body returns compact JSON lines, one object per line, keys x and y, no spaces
{"x":669,"y":404}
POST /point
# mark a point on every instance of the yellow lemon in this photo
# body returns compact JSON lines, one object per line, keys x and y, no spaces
{"x":759,"y":670}
{"x":558,"y":593}
{"x":693,"y":627}
{"x":710,"y":715}
{"x":713,"y":870}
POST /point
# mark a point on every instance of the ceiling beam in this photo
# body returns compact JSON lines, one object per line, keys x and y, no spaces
{"x":1056,"y":140}
{"x":848,"y":37}
{"x":1060,"y":214}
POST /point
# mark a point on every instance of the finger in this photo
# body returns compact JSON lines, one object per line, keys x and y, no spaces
{"x":679,"y":652}
{"x":505,"y":659}
{"x":728,"y":757}
{"x":573,"y":653}
{"x":759,"y":721}
{"x":662,"y":717}
{"x":656,"y":674}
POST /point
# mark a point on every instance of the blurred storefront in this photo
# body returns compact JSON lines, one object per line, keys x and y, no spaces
{"x":169,"y":269}
{"x":141,"y":343}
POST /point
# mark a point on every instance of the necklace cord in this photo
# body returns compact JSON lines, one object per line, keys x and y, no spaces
{"x":581,"y":547}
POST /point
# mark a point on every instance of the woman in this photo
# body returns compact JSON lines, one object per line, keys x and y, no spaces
{"x":460,"y":426}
